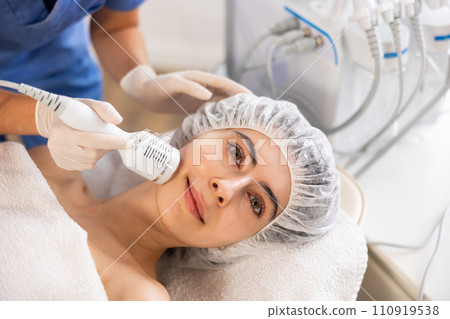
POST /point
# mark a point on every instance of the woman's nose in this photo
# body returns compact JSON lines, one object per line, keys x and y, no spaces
{"x":225,"y":189}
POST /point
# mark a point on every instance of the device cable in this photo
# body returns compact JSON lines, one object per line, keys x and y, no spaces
{"x":418,"y":32}
{"x":395,"y":29}
{"x":297,"y":44}
{"x":283,"y":53}
{"x":279,"y":28}
{"x":428,"y":107}
{"x":10,"y":85}
{"x":422,"y":244}
{"x":375,"y":49}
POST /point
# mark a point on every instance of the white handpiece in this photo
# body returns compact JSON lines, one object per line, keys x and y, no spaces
{"x":81,"y":117}
{"x":150,"y":157}
{"x":72,"y":112}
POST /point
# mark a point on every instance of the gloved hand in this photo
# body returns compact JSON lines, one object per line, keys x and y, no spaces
{"x":77,"y":150}
{"x":177,"y":92}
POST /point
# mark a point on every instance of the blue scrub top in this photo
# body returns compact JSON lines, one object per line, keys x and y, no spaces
{"x":50,"y":50}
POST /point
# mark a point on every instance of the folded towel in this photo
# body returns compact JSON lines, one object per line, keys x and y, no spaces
{"x":44,"y":254}
{"x":330,"y":268}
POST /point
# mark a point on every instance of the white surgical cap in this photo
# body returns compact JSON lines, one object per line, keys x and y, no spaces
{"x":314,"y":197}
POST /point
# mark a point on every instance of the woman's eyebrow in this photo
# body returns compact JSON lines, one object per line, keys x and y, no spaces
{"x":250,"y":145}
{"x":272,"y":197}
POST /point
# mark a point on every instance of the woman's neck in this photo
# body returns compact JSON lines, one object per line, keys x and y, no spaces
{"x":133,"y":223}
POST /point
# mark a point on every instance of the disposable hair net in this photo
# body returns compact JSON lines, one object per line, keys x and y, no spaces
{"x":314,"y":197}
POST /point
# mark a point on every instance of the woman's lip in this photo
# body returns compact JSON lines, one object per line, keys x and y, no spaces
{"x":191,"y":203}
{"x":198,"y":202}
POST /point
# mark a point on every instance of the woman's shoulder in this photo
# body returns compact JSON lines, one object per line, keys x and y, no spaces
{"x":144,"y":289}
{"x":126,"y":280}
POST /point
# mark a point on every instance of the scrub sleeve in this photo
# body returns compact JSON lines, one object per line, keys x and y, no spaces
{"x":50,"y":47}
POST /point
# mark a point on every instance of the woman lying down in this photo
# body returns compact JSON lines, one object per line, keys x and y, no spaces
{"x":272,"y":182}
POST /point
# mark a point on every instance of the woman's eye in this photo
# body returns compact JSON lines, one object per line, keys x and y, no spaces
{"x":256,"y":204}
{"x":236,"y":154}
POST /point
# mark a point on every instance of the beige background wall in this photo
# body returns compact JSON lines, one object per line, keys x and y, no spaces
{"x":179,"y":35}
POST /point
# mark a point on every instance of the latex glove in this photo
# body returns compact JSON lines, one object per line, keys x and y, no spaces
{"x":76,"y":150}
{"x":177,"y":92}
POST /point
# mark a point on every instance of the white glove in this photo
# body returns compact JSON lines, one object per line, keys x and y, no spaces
{"x":177,"y":92}
{"x":77,"y":150}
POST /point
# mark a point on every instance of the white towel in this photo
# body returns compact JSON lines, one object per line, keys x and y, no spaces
{"x":330,"y":268}
{"x":43,"y":253}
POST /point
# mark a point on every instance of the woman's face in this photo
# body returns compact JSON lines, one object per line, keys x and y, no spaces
{"x":229,"y":185}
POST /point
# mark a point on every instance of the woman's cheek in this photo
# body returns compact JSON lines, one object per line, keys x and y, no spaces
{"x":184,"y":156}
{"x":233,"y":227}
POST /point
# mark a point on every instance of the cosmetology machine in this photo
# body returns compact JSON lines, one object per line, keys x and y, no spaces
{"x":363,"y":71}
